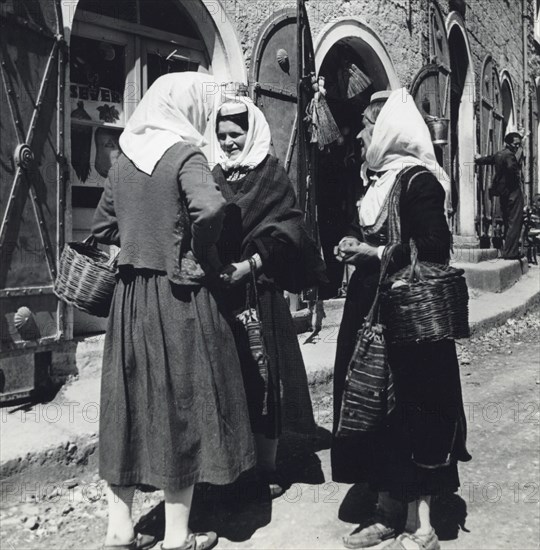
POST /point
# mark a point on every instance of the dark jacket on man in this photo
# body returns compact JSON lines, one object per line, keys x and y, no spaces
{"x":507,"y":177}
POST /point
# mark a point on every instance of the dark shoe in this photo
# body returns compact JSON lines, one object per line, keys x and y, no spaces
{"x":142,"y":542}
{"x":370,"y":533}
{"x":198,"y":541}
{"x":145,"y":542}
{"x":151,"y":527}
{"x":275,"y":482}
{"x":422,"y":542}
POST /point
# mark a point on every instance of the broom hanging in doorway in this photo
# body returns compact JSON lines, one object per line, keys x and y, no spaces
{"x":322,"y":126}
{"x":351,"y":80}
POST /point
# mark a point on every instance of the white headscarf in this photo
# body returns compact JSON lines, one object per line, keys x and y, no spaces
{"x":177,"y":107}
{"x":258,"y":140}
{"x":400,"y":138}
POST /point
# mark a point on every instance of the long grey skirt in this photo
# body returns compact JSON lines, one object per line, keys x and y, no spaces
{"x":173,"y":409}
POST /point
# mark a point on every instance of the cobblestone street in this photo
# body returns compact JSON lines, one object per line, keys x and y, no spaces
{"x":497,"y":506}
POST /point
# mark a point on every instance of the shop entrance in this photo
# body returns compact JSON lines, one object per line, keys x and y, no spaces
{"x":465,"y":199}
{"x":117,"y":50}
{"x":352,"y":72}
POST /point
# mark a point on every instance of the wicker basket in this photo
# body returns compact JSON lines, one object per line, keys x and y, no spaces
{"x":425,"y":302}
{"x":86,"y":277}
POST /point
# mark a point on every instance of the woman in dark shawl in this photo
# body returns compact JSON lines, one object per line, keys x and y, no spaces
{"x":264,"y":225}
{"x":415,"y":454}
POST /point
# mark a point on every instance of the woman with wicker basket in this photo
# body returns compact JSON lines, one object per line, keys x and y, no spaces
{"x":412,"y":454}
{"x":267,"y":250}
{"x":172,"y":410}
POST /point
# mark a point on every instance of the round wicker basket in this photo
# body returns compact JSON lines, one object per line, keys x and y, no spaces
{"x":425,"y":302}
{"x":86,"y":277}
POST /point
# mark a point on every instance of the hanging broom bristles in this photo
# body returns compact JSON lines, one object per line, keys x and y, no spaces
{"x":322,"y":126}
{"x":352,"y":81}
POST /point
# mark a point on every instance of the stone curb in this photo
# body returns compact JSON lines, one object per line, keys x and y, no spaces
{"x":499,"y":319}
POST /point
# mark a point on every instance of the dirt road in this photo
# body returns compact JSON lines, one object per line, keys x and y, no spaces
{"x":497,"y":507}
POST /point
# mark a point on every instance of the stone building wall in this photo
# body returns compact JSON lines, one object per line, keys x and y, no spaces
{"x":494,"y":27}
{"x":400,"y":25}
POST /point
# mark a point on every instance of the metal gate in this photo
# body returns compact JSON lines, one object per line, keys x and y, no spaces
{"x":32,"y":181}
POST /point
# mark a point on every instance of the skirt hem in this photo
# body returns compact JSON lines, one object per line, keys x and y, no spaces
{"x":127,"y":479}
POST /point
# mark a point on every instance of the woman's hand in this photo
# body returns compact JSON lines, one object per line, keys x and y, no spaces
{"x":352,"y":251}
{"x":346,"y":247}
{"x":235,"y":273}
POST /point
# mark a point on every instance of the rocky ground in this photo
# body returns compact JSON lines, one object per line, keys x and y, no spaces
{"x":497,"y":507}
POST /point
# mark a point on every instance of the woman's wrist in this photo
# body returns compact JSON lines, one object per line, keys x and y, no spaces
{"x":257,"y":261}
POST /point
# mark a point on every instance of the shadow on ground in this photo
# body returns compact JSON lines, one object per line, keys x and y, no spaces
{"x":238,"y":510}
{"x":448,"y":515}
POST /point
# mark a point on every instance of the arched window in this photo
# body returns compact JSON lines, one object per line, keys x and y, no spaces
{"x":165,"y":15}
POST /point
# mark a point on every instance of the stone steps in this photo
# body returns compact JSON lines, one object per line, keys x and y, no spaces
{"x":494,"y":275}
{"x":474,"y":255}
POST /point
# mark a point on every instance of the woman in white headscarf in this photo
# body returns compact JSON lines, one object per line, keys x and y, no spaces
{"x":414,"y":455}
{"x":264,"y":226}
{"x":172,"y":414}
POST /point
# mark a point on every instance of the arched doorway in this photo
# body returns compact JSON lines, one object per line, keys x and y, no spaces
{"x":345,"y":43}
{"x":491,"y":140}
{"x":508,"y":104}
{"x":117,"y":50}
{"x":462,"y":130}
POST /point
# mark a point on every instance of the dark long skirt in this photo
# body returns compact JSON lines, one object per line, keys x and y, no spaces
{"x":173,"y":410}
{"x":288,"y":404}
{"x":417,"y":450}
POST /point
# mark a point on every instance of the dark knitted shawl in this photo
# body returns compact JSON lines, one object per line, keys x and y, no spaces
{"x":263,"y":216}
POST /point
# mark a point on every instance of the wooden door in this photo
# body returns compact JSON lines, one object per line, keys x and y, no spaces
{"x":491,"y":141}
{"x":32,"y":172}
{"x":281,"y":83}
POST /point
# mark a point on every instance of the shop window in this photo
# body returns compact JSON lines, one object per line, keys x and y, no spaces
{"x":167,"y":15}
{"x":159,"y":64}
{"x":97,"y":87}
{"x":113,"y":61}
{"x":118,"y":9}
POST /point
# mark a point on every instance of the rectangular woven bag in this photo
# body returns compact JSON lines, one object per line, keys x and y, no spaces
{"x":369,"y":392}
{"x":251,"y":319}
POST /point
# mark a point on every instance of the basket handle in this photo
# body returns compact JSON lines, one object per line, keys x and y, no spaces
{"x":373,"y":314}
{"x":252,"y":287}
{"x":113,"y":258}
{"x":415,"y":268}
{"x":90,"y":240}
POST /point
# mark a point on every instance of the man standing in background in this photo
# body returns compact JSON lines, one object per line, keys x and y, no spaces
{"x":507,"y":185}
